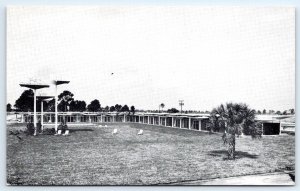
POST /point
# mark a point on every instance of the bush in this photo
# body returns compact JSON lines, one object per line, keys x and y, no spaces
{"x":29,"y":129}
{"x":39,"y":127}
{"x":62,"y":127}
{"x":49,"y":131}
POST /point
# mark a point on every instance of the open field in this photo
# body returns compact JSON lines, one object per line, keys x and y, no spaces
{"x":93,"y":156}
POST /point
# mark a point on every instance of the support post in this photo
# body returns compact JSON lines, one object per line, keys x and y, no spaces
{"x":56,"y":115}
{"x":34,"y":113}
{"x":180,"y":125}
{"x":190,"y":123}
{"x":42,"y":116}
{"x":280,"y":128}
{"x":172,"y":122}
{"x":200,"y":125}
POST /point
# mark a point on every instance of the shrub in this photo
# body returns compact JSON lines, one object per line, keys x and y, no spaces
{"x":39,"y":127}
{"x":49,"y":131}
{"x":62,"y":127}
{"x":29,"y":129}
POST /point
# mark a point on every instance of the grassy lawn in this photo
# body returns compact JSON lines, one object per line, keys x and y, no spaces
{"x":93,"y":156}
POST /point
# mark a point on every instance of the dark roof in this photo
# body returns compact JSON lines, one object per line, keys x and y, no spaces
{"x":58,"y":82}
{"x":34,"y":86}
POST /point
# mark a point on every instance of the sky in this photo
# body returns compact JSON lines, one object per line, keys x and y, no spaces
{"x":147,"y":55}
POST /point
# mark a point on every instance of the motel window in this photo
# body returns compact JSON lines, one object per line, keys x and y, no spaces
{"x":196,"y":125}
{"x":177,"y":122}
{"x":74,"y":118}
{"x":49,"y":118}
{"x":45,"y":118}
{"x":156,"y":121}
{"x":107,"y":119}
{"x":169,"y":121}
{"x":163,"y":121}
{"x":185,"y":123}
{"x":203,"y":125}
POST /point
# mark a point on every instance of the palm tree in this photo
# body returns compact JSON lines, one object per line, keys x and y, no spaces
{"x":236,"y":119}
{"x":162,"y":105}
{"x":215,"y":124}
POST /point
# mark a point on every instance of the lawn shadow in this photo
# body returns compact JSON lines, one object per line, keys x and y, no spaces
{"x":169,"y":130}
{"x":238,"y":154}
{"x":75,"y":130}
{"x":51,"y":131}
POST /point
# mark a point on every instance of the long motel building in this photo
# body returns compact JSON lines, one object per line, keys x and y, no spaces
{"x":180,"y":120}
{"x":271,"y":124}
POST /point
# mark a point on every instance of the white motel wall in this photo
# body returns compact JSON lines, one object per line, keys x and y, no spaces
{"x":272,"y":124}
{"x":187,"y":121}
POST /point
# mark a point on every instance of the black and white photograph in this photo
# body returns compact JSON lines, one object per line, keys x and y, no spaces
{"x":150,"y":95}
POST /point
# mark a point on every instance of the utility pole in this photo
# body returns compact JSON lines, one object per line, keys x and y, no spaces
{"x":181,"y":104}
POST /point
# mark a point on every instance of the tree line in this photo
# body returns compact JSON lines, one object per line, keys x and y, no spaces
{"x":285,"y":112}
{"x":66,"y":102}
